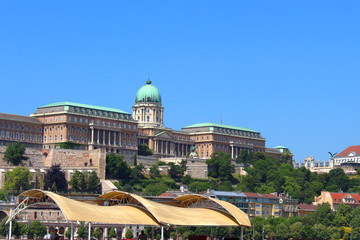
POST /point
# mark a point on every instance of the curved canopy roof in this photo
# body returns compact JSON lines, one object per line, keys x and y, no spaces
{"x":130,"y":209}
{"x":74,"y":210}
{"x":189,"y":210}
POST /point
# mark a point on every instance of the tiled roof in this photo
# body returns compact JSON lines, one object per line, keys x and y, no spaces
{"x":170,"y":195}
{"x":306,"y":207}
{"x":19,"y":118}
{"x":347,"y":151}
{"x":260,"y":195}
{"x":337,"y":197}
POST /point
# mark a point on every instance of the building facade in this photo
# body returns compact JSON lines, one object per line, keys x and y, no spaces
{"x":259,"y":204}
{"x":334,"y":199}
{"x":91,"y":127}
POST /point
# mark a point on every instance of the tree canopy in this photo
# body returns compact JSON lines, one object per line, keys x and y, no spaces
{"x":116,"y":167}
{"x":220,"y":166}
{"x":55,"y":179}
{"x":14,"y":153}
{"x":144,"y":150}
{"x":17,"y":180}
{"x":85,"y":182}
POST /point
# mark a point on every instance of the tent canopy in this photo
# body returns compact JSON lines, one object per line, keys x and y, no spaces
{"x":131,"y":209}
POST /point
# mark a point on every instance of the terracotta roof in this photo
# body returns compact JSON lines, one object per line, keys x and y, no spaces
{"x":260,"y":195}
{"x":337,"y":197}
{"x":19,"y":118}
{"x":171,"y":195}
{"x":306,"y":207}
{"x":347,"y":151}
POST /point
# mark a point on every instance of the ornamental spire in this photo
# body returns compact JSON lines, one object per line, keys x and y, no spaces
{"x":148,"y":81}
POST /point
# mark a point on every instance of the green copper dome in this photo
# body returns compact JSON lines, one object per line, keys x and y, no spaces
{"x":148,"y":93}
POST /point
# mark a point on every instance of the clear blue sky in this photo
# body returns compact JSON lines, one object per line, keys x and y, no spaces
{"x":289,"y":69}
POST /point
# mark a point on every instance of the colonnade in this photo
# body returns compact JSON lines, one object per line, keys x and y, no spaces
{"x":235,"y":151}
{"x":171,"y":148}
{"x":106,"y":137}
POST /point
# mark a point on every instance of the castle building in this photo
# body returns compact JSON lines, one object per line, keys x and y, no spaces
{"x":92,"y":127}
{"x":149,"y":113}
{"x":211,"y":137}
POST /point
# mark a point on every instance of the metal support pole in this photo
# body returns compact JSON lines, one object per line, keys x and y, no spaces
{"x":152,"y":233}
{"x":89,"y":232}
{"x":242,"y":233}
{"x":10,"y":228}
{"x":71,"y":231}
{"x":162,"y":233}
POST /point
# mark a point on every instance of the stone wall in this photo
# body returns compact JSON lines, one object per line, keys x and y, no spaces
{"x":70,"y":160}
{"x":197,"y":168}
{"x":147,"y":160}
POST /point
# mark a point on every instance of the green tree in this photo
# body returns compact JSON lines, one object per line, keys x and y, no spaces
{"x":14,"y":154}
{"x":176,"y":172}
{"x":17,"y":230}
{"x":116,"y":167}
{"x":296,"y":230}
{"x":36,"y":229}
{"x":198,"y":187}
{"x":154,"y":172}
{"x":321,"y":231}
{"x":286,"y":157}
{"x":85,"y":182}
{"x":338,"y":178}
{"x":343,"y":215}
{"x":56,"y":176}
{"x":4,"y":196}
{"x":93,"y":184}
{"x":112,"y":233}
{"x":324,"y":215}
{"x":82,"y":231}
{"x":129,"y":233}
{"x":17,"y":180}
{"x":155,"y":189}
{"x":245,"y":157}
{"x":220,"y":166}
{"x":144,"y":150}
{"x":137,"y":172}
{"x":98,"y":233}
{"x":187,"y":179}
{"x":78,"y":182}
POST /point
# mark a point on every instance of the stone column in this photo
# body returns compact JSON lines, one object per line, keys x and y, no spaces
{"x":98,"y":136}
{"x":232,"y":151}
{"x":120,"y":142}
{"x":103,"y":139}
{"x":92,"y":135}
{"x":114,"y":139}
{"x":109,"y":138}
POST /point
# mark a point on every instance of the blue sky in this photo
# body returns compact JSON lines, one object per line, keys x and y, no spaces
{"x":289,"y":69}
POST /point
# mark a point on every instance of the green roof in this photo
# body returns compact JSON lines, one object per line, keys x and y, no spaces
{"x":280,"y":147}
{"x":219,"y":125}
{"x":72,"y":104}
{"x":148,"y":93}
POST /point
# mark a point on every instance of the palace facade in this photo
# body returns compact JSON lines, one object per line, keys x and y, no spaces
{"x":92,"y":127}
